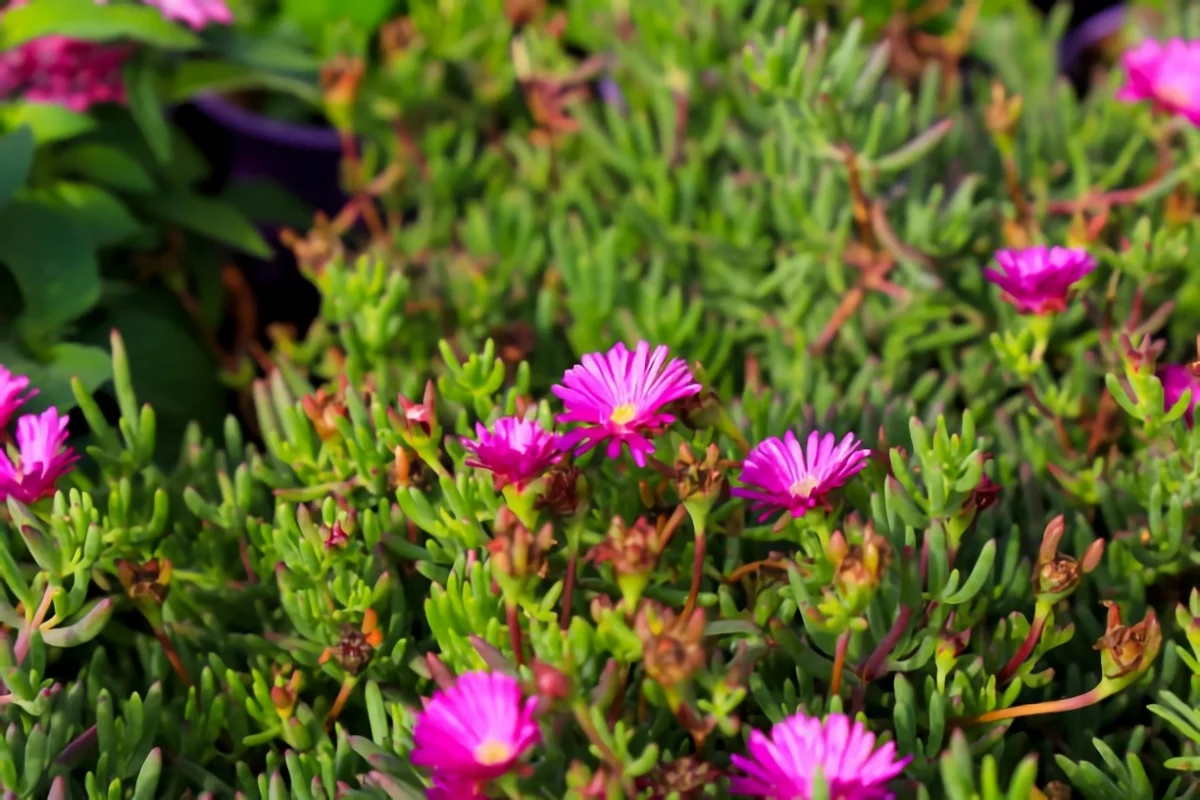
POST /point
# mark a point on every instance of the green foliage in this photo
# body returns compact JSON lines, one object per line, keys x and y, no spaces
{"x":96,"y":205}
{"x":773,"y":196}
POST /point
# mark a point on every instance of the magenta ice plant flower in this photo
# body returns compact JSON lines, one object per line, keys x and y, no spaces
{"x":476,"y":730}
{"x":619,"y":396}
{"x":516,"y":451}
{"x":1165,"y":74}
{"x":11,"y":397}
{"x":195,"y":13}
{"x":454,"y":789}
{"x":42,"y":457}
{"x":784,"y":764}
{"x":1175,"y":381}
{"x":1037,"y":279}
{"x":783,"y":476}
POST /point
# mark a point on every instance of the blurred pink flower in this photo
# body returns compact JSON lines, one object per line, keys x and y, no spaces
{"x":1175,"y":381}
{"x":619,"y":395}
{"x":784,"y":764}
{"x":195,"y":13}
{"x":42,"y":459}
{"x":61,"y":71}
{"x":11,"y":398}
{"x":1167,"y":75}
{"x":784,"y":476}
{"x":1038,"y":279}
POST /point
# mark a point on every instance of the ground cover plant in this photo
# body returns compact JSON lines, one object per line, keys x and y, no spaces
{"x":738,"y":401}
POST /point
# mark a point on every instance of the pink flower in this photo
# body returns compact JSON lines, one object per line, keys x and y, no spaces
{"x":65,"y":72}
{"x":452,"y":789}
{"x":618,"y":396}
{"x":1175,"y":381}
{"x":1037,"y":279}
{"x":196,"y":13}
{"x":517,"y":451}
{"x":11,"y":398}
{"x":476,"y":730}
{"x":43,"y":457}
{"x":1166,"y":75}
{"x":784,"y":764}
{"x":789,"y":478}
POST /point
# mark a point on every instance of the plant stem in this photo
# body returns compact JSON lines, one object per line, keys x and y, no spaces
{"x":22,"y":647}
{"x":1032,"y":709}
{"x":513,"y":621}
{"x":746,"y":569}
{"x":697,"y":573}
{"x":564,"y":614}
{"x":339,"y":703}
{"x":672,"y":526}
{"x":1041,"y":615}
{"x":839,"y":663}
{"x":173,"y":657}
{"x":884,"y":649}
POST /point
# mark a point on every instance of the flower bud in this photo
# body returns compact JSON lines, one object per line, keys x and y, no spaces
{"x":699,"y":481}
{"x":565,"y":494}
{"x":323,"y":408}
{"x":672,"y":648}
{"x":633,"y":551}
{"x":148,"y":582}
{"x":1128,"y":651}
{"x":1056,"y":576}
{"x":517,"y":554}
{"x":685,"y":778}
{"x":550,"y":685}
{"x":336,"y":536}
{"x":355,"y":646}
{"x":859,"y":568}
{"x":419,"y":418}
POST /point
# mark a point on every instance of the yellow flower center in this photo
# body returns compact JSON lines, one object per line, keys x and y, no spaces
{"x":623,"y":414}
{"x":804,"y":487}
{"x":492,"y":752}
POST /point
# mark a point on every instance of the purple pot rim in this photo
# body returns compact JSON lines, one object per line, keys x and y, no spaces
{"x":1094,"y":28}
{"x":256,"y":126}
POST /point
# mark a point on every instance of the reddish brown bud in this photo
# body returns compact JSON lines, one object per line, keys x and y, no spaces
{"x":516,"y":552}
{"x":685,"y":778}
{"x":355,"y":647}
{"x":1128,"y":649}
{"x":672,"y":648}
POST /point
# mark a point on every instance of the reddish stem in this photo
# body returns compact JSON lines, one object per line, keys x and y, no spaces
{"x":1022,"y":654}
{"x":173,"y":657}
{"x":514,"y":632}
{"x":22,"y":647}
{"x":1050,"y":707}
{"x":564,"y":614}
{"x":697,"y":574}
{"x":839,"y":663}
{"x":884,"y":649}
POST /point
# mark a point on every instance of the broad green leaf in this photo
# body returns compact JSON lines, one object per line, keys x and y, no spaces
{"x":172,"y":370}
{"x":53,"y":260}
{"x":147,"y":111}
{"x":49,"y":123}
{"x":106,"y":217}
{"x":263,"y":200}
{"x":16,"y":157}
{"x":211,"y":218}
{"x":84,"y":19}
{"x":107,"y":165}
{"x":52,"y":374}
{"x":211,"y":76}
